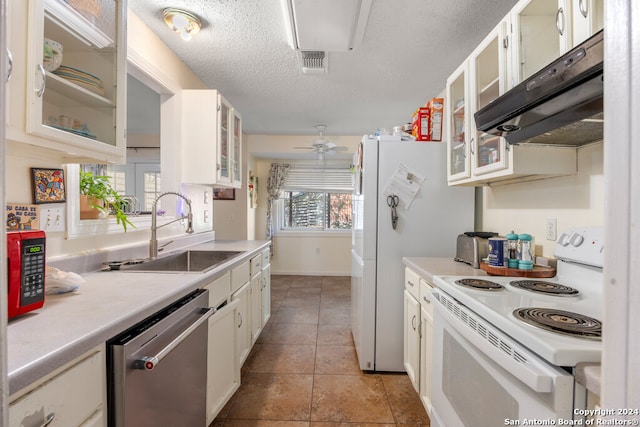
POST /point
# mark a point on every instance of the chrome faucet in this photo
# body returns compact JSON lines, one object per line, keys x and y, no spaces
{"x":153,"y":243}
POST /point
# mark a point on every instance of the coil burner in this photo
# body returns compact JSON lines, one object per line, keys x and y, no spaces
{"x":479,"y":284}
{"x":548,"y":288}
{"x":562,"y":322}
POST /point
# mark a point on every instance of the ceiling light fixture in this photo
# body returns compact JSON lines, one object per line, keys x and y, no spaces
{"x":329,"y":25}
{"x":182,"y":22}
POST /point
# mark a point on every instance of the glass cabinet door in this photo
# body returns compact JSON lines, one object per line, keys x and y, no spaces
{"x":237,"y":144}
{"x":458,"y":164}
{"x":488,"y":72}
{"x":224,"y":172}
{"x":542,"y":32}
{"x":76,"y":78}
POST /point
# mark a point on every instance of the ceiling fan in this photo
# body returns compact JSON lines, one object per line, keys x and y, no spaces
{"x":322,"y":146}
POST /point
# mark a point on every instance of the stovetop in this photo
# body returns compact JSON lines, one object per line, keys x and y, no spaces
{"x":497,"y":307}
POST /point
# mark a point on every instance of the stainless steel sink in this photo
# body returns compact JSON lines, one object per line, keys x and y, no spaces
{"x":186,"y":261}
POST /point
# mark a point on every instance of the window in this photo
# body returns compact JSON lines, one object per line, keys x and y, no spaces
{"x":314,"y":211}
{"x":316,"y":200}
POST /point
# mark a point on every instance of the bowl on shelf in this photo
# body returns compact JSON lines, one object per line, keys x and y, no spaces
{"x":52,"y":55}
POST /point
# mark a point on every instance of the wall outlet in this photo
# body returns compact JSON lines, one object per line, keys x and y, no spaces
{"x":551,"y":232}
{"x":52,"y":219}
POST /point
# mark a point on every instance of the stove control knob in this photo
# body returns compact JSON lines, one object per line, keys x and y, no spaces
{"x":564,"y":239}
{"x":576,"y":239}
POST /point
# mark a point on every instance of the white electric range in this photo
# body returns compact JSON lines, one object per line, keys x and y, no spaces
{"x":505,"y":347}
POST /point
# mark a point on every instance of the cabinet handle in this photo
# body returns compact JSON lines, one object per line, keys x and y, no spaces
{"x":584,"y":10}
{"x":43,"y":73}
{"x":240,"y":318}
{"x":505,"y":42}
{"x":560,"y":21}
{"x":420,"y":330}
{"x":49,"y":419}
{"x":9,"y":64}
{"x":471,"y":146}
{"x":413,"y":322}
{"x":426,"y":300}
{"x":409,"y":283}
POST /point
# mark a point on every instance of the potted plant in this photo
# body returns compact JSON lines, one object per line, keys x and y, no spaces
{"x":98,"y":198}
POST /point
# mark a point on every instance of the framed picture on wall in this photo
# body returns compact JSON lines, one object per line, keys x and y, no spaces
{"x":224,"y":194}
{"x":48,"y":185}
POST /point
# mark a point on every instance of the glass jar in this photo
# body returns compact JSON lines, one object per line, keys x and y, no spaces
{"x":512,"y":249}
{"x":525,"y":251}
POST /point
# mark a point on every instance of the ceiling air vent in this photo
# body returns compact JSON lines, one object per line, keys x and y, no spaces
{"x":313,"y":61}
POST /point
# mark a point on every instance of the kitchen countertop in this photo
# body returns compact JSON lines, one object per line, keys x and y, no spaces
{"x":107,"y":303}
{"x":427,"y":267}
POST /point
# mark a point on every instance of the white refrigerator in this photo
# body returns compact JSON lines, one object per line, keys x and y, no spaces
{"x":430,"y":215}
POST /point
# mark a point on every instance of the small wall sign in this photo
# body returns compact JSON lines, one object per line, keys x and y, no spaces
{"x":22,"y":216}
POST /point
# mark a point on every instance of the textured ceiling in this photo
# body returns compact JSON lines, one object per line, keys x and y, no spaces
{"x":409,"y":49}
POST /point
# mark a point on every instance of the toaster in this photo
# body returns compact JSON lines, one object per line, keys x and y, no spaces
{"x":472,"y":247}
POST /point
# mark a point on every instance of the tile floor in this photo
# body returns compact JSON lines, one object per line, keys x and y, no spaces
{"x":303,"y":370}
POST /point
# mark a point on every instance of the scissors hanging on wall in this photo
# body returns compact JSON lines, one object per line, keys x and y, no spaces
{"x":393,"y":201}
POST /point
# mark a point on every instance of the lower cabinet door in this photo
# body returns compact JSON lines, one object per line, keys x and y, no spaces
{"x":426,"y":356}
{"x":266,"y":294}
{"x":223,"y":369}
{"x":243,"y":323}
{"x":412,"y":339}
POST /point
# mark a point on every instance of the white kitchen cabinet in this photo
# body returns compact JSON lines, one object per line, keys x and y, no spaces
{"x":241,"y":291}
{"x":541,"y":33}
{"x":458,"y":124}
{"x":223,"y":368}
{"x":587,"y":18}
{"x":266,"y":287}
{"x":211,"y":140}
{"x":75,"y":395}
{"x":426,"y":343}
{"x":418,"y":334}
{"x":412,"y":339}
{"x":478,"y":158}
{"x":256,"y":297}
{"x":52,"y":109}
{"x":243,"y":322}
{"x":412,"y":328}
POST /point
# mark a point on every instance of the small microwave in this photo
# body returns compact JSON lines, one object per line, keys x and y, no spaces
{"x":26,"y":271}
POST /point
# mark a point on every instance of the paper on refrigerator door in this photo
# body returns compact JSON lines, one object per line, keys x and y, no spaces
{"x":405,"y":183}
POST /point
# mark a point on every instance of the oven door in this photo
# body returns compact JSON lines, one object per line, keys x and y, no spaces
{"x":482,"y":378}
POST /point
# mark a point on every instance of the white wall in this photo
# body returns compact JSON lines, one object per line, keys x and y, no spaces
{"x":310,"y":254}
{"x":576,"y":200}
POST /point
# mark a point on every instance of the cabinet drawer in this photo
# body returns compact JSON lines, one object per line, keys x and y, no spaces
{"x":219,"y":289}
{"x":412,"y":283}
{"x":71,"y":397}
{"x":256,"y":264}
{"x":425,"y":295}
{"x":239,"y":276}
{"x":266,"y":257}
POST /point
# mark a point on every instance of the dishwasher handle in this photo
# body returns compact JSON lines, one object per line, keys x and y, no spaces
{"x":147,"y":363}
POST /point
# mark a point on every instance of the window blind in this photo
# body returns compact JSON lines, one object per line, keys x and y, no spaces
{"x":319,"y":180}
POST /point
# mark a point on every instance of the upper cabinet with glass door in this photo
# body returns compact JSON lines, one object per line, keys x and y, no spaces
{"x":69,"y":88}
{"x":236,"y":169}
{"x":541,"y":32}
{"x":211,"y":139}
{"x":458,"y":124}
{"x":489,"y":71}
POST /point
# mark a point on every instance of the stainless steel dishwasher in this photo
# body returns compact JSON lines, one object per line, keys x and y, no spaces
{"x":158,"y":368}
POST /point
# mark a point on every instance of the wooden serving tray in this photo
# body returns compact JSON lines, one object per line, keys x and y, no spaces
{"x":538,"y":271}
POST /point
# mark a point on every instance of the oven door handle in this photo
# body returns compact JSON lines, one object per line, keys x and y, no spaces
{"x":535,"y":373}
{"x":147,"y":363}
